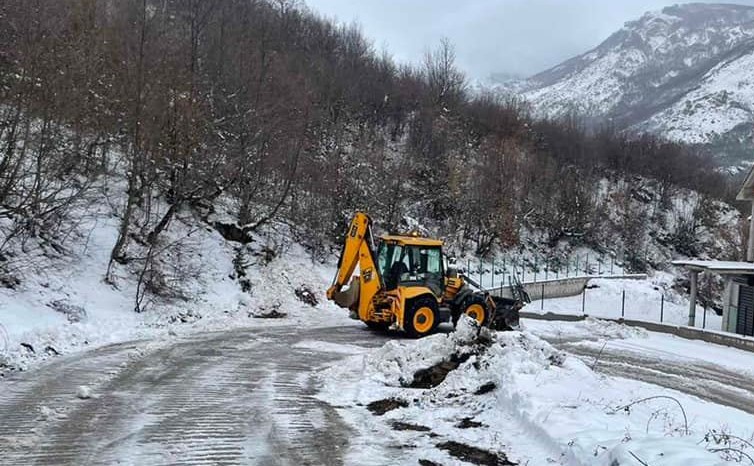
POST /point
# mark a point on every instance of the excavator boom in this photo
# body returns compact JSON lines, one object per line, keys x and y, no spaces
{"x":357,"y":249}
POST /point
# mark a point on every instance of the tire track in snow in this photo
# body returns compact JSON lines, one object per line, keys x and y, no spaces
{"x":705,"y":381}
{"x":241,"y":397}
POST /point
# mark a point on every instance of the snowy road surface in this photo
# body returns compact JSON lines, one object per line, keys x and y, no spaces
{"x":715,"y":373}
{"x":248,"y":397}
{"x":707,"y":381}
{"x":239,"y":397}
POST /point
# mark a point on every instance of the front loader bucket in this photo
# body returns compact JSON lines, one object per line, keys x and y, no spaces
{"x":506,"y":314}
{"x":350,"y":297}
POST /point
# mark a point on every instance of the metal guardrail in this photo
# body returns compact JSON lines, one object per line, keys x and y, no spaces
{"x":535,"y":269}
{"x":560,"y":288}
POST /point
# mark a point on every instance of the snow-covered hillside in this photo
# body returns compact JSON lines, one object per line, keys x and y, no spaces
{"x":683,"y":73}
{"x":62,"y":304}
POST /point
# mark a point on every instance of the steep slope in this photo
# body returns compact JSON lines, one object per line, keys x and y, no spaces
{"x":682,"y":73}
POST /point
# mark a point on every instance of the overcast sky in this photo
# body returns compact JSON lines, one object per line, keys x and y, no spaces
{"x":512,"y":36}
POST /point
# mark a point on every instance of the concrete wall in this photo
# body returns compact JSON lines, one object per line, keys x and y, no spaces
{"x":561,"y":288}
{"x":690,"y":333}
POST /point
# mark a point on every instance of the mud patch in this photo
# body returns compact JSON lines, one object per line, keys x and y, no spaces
{"x":435,"y":375}
{"x":407,"y":426}
{"x":380,"y":407}
{"x":486,"y":388}
{"x":468,"y":423}
{"x":474,"y":455}
{"x":423,"y":462}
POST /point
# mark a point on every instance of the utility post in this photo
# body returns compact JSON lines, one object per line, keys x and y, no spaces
{"x":750,"y":248}
{"x":493,"y":273}
{"x":693,"y":277}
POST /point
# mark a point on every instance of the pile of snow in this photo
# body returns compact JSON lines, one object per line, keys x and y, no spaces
{"x":83,"y":392}
{"x":395,"y":363}
{"x":516,"y":395}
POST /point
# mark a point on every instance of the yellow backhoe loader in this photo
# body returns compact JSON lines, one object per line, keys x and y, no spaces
{"x":406,"y":285}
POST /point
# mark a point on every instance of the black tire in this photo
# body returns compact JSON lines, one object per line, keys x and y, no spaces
{"x":421,"y":317}
{"x":473,"y":306}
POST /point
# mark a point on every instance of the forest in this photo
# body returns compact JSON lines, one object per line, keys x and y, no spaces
{"x":298,"y":120}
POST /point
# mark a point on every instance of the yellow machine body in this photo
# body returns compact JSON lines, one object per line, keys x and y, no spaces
{"x":402,"y":286}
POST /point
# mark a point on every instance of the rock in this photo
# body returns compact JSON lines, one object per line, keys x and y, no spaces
{"x":306,"y":296}
{"x":232,"y":232}
{"x":72,"y":312}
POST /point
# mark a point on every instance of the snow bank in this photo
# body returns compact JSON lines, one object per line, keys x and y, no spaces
{"x":524,"y":398}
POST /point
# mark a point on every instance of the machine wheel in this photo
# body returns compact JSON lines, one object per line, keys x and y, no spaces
{"x":476,"y":308}
{"x":421,"y":317}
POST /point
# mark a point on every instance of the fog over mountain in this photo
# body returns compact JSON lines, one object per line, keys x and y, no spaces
{"x":518,"y":37}
{"x":682,"y":72}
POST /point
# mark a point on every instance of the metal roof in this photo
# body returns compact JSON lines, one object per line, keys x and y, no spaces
{"x":721,"y":267}
{"x":412,"y":240}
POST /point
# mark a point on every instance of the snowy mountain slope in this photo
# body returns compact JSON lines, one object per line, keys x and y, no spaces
{"x":723,"y":102}
{"x":682,"y":73}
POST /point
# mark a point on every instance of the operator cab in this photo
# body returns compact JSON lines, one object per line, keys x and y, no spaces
{"x":411,"y":261}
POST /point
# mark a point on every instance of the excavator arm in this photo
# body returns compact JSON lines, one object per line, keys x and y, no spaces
{"x":357,"y":249}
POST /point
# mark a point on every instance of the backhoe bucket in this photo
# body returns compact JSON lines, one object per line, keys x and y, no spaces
{"x":350,"y":297}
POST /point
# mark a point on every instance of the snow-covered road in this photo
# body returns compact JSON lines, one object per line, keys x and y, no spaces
{"x":239,"y":397}
{"x":250,"y":396}
{"x":707,"y":381}
{"x":715,"y":373}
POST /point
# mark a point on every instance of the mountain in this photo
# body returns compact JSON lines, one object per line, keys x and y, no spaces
{"x":683,"y":73}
